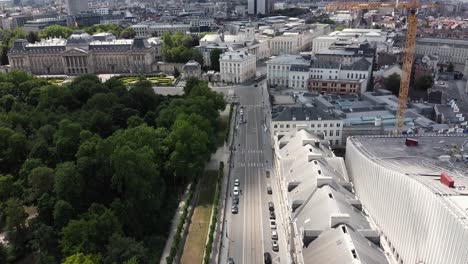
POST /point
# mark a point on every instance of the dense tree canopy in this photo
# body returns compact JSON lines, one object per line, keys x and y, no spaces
{"x":102,"y":164}
{"x":424,"y":82}
{"x":392,"y":83}
{"x":179,"y":48}
{"x":214,"y":58}
{"x":55,"y":31}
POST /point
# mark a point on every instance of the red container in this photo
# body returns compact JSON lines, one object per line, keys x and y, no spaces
{"x":411,"y":142}
{"x":445,"y":179}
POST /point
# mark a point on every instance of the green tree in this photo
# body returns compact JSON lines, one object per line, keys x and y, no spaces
{"x":450,"y":67}
{"x":134,"y":121}
{"x":44,"y":241}
{"x":91,"y":232}
{"x":15,"y":215}
{"x":339,"y":28}
{"x":214,"y":57}
{"x":424,"y":82}
{"x":9,"y":188}
{"x":392,"y":83}
{"x":121,"y":249}
{"x":68,"y":183}
{"x":63,"y":212}
{"x":67,"y":139}
{"x":3,"y":253}
{"x":128,"y":33}
{"x":41,"y":180}
{"x":143,"y":97}
{"x":196,"y":56}
{"x":55,"y":31}
{"x":80,"y":258}
{"x":32,"y":37}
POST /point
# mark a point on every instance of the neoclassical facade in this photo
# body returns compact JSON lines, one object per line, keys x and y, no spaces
{"x":237,"y":67}
{"x":82,"y":54}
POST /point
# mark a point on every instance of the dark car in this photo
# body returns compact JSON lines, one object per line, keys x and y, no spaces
{"x":235,"y":200}
{"x":272,"y":215}
{"x":271,"y":207}
{"x":256,"y":85}
{"x":269,"y":190}
{"x":230,"y":261}
{"x":234,"y":209}
{"x":267,"y":258}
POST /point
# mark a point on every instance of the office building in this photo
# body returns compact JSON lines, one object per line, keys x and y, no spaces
{"x":256,"y":7}
{"x":447,"y":50}
{"x":324,"y":219}
{"x":74,"y":7}
{"x":237,"y":67}
{"x":415,"y":191}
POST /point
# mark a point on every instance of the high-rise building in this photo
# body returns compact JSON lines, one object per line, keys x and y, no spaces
{"x":256,"y":7}
{"x":75,"y":7}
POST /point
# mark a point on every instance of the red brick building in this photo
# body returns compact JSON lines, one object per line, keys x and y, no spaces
{"x":335,"y":86}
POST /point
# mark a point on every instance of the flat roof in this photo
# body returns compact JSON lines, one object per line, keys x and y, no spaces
{"x":433,"y":155}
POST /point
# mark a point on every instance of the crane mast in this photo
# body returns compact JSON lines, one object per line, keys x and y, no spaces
{"x":411,"y":27}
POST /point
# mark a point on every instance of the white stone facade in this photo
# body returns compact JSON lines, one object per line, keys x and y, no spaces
{"x":332,"y":130}
{"x":447,"y":50}
{"x":237,"y":67}
{"x":81,"y":54}
{"x":278,"y":69}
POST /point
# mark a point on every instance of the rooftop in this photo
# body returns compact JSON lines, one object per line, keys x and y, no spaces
{"x":303,"y":114}
{"x":289,"y":59}
{"x":425,"y":163}
{"x":323,"y":206}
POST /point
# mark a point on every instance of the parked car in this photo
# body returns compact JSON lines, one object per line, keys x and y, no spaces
{"x":268,"y":174}
{"x":230,"y":261}
{"x":269,"y":190}
{"x":275,"y":246}
{"x":272,"y":215}
{"x":234,"y":209}
{"x":271,"y":207}
{"x":235,"y":200}
{"x":274,"y":235}
{"x":236,"y":191}
{"x":267,"y":258}
{"x":273,"y":224}
{"x":236,"y":182}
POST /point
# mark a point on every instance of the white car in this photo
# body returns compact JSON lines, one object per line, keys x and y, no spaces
{"x":275,"y":246}
{"x":236,"y":182}
{"x":274,"y":235}
{"x":236,"y":191}
{"x":273,"y":224}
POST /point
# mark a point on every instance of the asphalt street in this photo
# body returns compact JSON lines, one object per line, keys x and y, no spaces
{"x":248,"y":232}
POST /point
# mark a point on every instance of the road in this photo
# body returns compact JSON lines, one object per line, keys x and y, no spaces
{"x":248,"y":233}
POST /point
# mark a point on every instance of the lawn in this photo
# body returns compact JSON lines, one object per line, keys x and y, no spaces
{"x":56,"y":81}
{"x":157,"y":80}
{"x":198,"y":230}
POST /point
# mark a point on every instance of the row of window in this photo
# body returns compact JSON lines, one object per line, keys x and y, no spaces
{"x":325,"y":125}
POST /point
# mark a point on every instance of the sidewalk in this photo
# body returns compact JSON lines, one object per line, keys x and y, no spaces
{"x":174,"y":224}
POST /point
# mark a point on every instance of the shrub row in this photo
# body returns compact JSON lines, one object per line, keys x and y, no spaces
{"x":214,"y":216}
{"x":180,"y":227}
{"x":228,"y":129}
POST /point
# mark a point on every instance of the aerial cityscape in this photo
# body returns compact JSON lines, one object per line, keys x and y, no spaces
{"x":233,"y":132}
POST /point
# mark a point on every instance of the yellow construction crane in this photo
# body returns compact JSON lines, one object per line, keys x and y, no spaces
{"x":411,"y":26}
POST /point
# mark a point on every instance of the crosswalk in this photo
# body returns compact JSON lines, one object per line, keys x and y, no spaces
{"x":252,"y":151}
{"x":252,"y":165}
{"x":253,"y":106}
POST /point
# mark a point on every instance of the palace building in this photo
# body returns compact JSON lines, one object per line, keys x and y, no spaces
{"x":82,"y":53}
